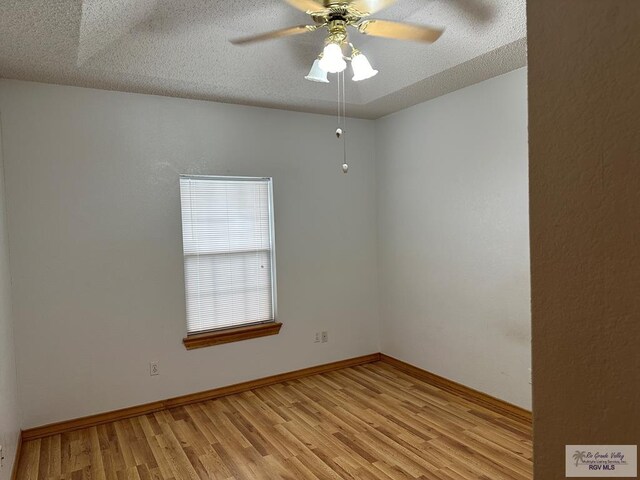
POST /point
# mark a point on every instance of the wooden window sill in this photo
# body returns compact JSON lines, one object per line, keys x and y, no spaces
{"x":228,"y":335}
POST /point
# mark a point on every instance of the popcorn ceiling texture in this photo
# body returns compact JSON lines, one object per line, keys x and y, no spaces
{"x":180,"y":48}
{"x":584,"y":196}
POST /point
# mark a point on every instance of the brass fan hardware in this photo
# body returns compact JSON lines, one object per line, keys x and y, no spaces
{"x":336,"y":16}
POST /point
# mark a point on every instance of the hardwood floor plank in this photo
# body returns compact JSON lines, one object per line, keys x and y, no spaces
{"x":97,"y":465}
{"x":368,"y":422}
{"x":29,"y":461}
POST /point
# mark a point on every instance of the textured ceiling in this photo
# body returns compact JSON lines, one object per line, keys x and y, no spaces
{"x":180,"y":48}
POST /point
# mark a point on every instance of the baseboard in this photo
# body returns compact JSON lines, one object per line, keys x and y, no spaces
{"x":487,"y":401}
{"x":474,"y":396}
{"x":16,"y":460}
{"x":100,"y":418}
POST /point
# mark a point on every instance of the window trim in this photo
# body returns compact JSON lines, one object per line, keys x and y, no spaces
{"x":236,"y":333}
{"x":231,"y":334}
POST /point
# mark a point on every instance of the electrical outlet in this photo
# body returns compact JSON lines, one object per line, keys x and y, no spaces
{"x":154,"y":369}
{"x":317,"y":338}
{"x":325,"y":337}
{"x":530,"y":377}
{"x":1,"y":457}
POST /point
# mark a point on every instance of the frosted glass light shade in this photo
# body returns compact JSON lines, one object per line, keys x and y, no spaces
{"x":317,"y":74}
{"x":332,"y":60}
{"x":361,"y":68}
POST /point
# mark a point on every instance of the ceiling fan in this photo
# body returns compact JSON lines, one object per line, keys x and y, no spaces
{"x":336,"y":16}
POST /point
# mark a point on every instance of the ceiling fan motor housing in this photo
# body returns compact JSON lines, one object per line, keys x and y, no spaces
{"x":337,"y":31}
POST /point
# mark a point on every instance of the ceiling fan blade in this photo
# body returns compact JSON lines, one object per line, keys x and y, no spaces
{"x":478,"y":10}
{"x":400,"y":31}
{"x":307,"y":5}
{"x":283,"y":32}
{"x":370,"y":6}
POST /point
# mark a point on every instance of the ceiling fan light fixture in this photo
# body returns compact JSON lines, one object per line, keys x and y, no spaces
{"x":317,"y":74}
{"x":361,"y":67}
{"x":332,"y":60}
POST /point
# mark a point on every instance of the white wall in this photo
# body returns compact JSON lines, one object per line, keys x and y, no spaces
{"x":95,"y":236}
{"x":454,"y":237}
{"x":94,"y":227}
{"x":9,"y":418}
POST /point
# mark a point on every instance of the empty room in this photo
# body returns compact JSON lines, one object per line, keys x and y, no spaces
{"x":318,"y":239}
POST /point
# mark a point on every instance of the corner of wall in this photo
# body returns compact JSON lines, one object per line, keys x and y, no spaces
{"x":376,"y":193}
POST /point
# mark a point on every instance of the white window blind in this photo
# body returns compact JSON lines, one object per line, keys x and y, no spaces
{"x":228,"y":243}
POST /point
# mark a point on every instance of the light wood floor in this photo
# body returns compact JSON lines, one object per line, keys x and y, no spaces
{"x":366,"y":422}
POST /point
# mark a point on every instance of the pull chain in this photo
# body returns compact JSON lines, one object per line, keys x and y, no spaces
{"x":342,"y":120}
{"x":345,"y":165}
{"x":339,"y":129}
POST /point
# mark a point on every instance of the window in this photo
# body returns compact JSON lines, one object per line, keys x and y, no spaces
{"x":229,"y":263}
